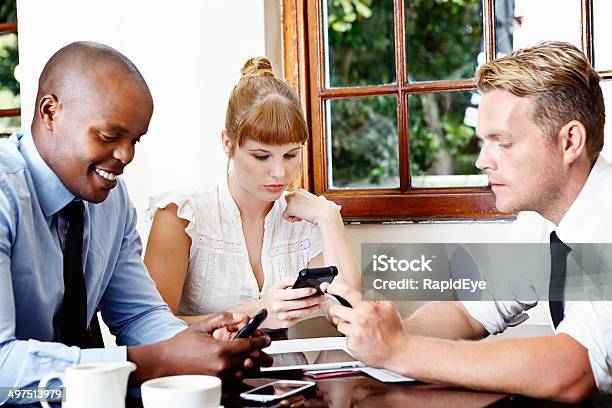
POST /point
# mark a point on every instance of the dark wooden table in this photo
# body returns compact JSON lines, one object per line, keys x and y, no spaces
{"x":364,"y":392}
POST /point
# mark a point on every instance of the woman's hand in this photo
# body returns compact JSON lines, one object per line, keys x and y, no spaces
{"x":286,"y":305}
{"x":302,"y":205}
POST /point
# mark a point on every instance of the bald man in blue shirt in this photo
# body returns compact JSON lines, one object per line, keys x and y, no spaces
{"x":92,"y":108}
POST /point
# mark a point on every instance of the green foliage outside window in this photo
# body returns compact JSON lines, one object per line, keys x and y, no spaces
{"x":9,"y":58}
{"x":443,"y":39}
{"x":361,"y":51}
{"x":8,"y":11}
{"x":365,"y":141}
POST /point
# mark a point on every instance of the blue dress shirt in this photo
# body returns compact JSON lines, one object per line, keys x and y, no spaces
{"x":32,"y":235}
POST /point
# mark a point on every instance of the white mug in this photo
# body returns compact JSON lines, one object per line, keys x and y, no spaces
{"x":99,"y":385}
{"x":185,"y":391}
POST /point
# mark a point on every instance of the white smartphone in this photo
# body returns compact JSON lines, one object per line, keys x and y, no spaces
{"x":276,"y":390}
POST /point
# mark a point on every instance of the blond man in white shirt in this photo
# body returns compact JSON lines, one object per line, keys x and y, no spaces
{"x":541,"y":122}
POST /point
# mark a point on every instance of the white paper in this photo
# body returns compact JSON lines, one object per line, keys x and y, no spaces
{"x":327,"y":367}
{"x":328,"y":343}
{"x":332,"y":370}
{"x":302,"y":345}
{"x":385,"y":375}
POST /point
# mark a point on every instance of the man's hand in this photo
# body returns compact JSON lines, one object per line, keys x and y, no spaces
{"x":375,"y":336}
{"x":347,"y":292}
{"x":225,"y":359}
{"x":373,"y":330}
{"x":352,"y":295}
{"x":196,"y":351}
{"x":229,"y":332}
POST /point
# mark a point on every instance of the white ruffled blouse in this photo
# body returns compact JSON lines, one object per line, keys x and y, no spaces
{"x":220,"y":276}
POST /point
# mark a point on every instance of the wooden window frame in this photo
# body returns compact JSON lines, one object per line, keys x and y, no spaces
{"x":9,"y":28}
{"x":304,"y":70}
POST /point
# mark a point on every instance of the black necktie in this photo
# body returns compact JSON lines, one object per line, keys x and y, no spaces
{"x":73,"y":321}
{"x":558,"y":266}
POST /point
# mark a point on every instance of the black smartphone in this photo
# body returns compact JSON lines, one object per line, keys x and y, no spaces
{"x":252,"y":325}
{"x":314,"y":277}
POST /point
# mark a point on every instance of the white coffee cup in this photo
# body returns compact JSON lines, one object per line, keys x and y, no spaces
{"x":98,"y":385}
{"x":185,"y":391}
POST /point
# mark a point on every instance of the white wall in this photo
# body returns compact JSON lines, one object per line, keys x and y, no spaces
{"x":191,"y":58}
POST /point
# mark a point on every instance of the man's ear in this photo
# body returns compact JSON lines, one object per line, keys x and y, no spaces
{"x":227,"y":143}
{"x":573,"y":138}
{"x":48,"y":109}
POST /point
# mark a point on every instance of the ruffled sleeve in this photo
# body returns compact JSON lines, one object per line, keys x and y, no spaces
{"x":186,"y":209}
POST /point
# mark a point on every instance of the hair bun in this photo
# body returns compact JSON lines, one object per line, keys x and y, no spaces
{"x":257,"y":67}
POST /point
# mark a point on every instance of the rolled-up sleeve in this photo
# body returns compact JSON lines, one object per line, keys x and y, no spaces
{"x":590,"y":324}
{"x":503,"y":310}
{"x":497,"y":316}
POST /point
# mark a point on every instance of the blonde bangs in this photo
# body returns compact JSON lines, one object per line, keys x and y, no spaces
{"x":275,"y":121}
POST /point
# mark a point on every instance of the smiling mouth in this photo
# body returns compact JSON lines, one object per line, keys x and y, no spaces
{"x":106,"y":175}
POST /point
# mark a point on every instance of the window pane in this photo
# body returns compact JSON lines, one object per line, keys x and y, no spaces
{"x":602,"y":10}
{"x":9,"y":125}
{"x":8,"y":11}
{"x":443,"y":149}
{"x":360,"y":44}
{"x":9,"y":57}
{"x":505,"y":23}
{"x":544,"y":20}
{"x":443,"y":38}
{"x":363,"y":142}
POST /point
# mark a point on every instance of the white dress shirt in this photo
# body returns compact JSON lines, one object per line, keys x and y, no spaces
{"x":220,"y":275}
{"x":588,"y":220}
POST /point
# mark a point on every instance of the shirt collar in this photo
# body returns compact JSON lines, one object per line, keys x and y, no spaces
{"x":578,"y":224}
{"x":228,"y":200}
{"x":51,"y":192}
